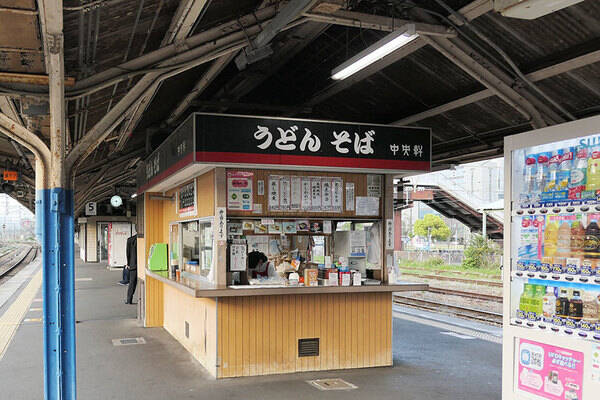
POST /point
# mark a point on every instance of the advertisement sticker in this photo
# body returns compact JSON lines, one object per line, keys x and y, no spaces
{"x":551,"y":372}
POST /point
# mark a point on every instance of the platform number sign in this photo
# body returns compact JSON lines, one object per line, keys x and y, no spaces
{"x":90,"y":208}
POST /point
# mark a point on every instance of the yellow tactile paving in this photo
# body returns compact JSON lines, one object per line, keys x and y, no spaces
{"x":9,"y":322}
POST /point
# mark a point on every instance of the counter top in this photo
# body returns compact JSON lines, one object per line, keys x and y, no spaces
{"x":200,"y":289}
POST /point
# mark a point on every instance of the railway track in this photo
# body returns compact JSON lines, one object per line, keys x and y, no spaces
{"x":458,"y":311}
{"x":10,"y":261}
{"x":452,"y":279}
{"x":470,"y":295}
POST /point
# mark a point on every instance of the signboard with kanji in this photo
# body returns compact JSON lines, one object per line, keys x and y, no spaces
{"x":10,"y":175}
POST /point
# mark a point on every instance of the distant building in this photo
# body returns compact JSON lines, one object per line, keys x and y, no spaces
{"x":478,"y":184}
{"x":16,"y":221}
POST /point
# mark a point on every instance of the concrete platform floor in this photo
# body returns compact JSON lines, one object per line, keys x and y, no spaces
{"x":432,"y":359}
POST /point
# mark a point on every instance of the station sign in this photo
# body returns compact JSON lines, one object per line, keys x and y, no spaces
{"x":248,"y":141}
{"x":91,"y":208}
{"x":10,"y":175}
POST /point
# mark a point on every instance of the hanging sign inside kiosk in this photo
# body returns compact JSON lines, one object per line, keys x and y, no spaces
{"x":217,"y":139}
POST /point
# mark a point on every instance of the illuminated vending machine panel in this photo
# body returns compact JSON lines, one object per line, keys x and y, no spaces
{"x":552,"y":289}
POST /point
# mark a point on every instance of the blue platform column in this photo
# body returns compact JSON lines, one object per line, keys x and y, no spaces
{"x":54,"y":207}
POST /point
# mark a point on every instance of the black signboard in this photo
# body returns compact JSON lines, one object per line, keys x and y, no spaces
{"x":294,"y":142}
{"x":247,"y":141}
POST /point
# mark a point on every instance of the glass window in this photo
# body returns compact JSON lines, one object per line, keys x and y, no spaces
{"x":197,"y":248}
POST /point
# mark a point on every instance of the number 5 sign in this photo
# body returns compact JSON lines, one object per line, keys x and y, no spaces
{"x":90,"y":208}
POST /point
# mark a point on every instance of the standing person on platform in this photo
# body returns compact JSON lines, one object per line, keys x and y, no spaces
{"x":131,"y":267}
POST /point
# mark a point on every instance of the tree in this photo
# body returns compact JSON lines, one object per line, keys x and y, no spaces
{"x":481,"y":253}
{"x":432,"y":225}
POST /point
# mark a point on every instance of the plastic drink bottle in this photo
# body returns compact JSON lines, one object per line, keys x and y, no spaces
{"x":549,"y":304}
{"x":577,"y":240}
{"x":593,"y":170}
{"x":524,"y":301}
{"x":528,"y":190}
{"x":553,"y":165}
{"x":591,"y":246}
{"x":576,"y":306}
{"x":562,"y":304}
{"x":564,"y":170}
{"x":550,"y":239}
{"x":577,"y":179}
{"x":563,"y":243}
{"x":537,"y":303}
{"x":541,"y":175}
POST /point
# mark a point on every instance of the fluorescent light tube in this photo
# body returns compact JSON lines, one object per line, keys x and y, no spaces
{"x":375,"y":52}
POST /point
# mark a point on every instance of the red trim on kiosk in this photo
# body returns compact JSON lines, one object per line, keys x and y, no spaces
{"x":189,"y":159}
{"x":317,"y":161}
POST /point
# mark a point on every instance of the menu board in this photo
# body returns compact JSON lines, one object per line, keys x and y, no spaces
{"x":349,"y":196}
{"x":298,"y":193}
{"x":187,"y":200}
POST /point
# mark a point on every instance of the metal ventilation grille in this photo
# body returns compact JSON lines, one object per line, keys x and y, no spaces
{"x":128,"y":341}
{"x":308,"y":347}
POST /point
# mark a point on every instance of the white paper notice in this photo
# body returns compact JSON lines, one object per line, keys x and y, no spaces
{"x":239,"y":190}
{"x":374,"y":185}
{"x":367,"y":205}
{"x":258,"y":243}
{"x":221,"y":224}
{"x":325,"y":194}
{"x":296,"y":197}
{"x":327,"y":261}
{"x":260,"y":189}
{"x":349,"y":196}
{"x":389,"y":234}
{"x":257,"y":208}
{"x":306,"y":204}
{"x":326,"y":226}
{"x":358,"y":243}
{"x":284,"y":190}
{"x":237,"y":257}
{"x":337,"y":194}
{"x":273,"y":193}
{"x":315,"y":194}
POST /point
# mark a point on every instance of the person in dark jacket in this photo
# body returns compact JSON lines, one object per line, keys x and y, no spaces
{"x":131,"y":267}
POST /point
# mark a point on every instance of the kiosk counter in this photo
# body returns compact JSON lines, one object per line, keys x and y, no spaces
{"x":279,"y":237}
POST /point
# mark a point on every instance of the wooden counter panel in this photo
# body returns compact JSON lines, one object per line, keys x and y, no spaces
{"x":154,"y":302}
{"x":199,"y":289}
{"x":360,"y":189}
{"x":259,"y":335}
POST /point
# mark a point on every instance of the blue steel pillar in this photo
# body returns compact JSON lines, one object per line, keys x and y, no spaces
{"x":55,"y":208}
{"x":54,"y":213}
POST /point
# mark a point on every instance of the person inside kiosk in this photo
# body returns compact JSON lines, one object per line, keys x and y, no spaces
{"x":260,"y":266}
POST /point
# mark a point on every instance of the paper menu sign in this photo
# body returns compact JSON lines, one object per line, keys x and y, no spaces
{"x":285,"y":194}
{"x":260,"y":188}
{"x":237,"y":257}
{"x":239,"y":190}
{"x":221,"y":224}
{"x":296,"y":193}
{"x":315,"y":194}
{"x":349,"y":196}
{"x":367,"y":205}
{"x":337,"y":194}
{"x":374,"y":185}
{"x":326,"y":194}
{"x":389,"y":234}
{"x":326,"y":226}
{"x":306,"y":195}
{"x":358,"y":243}
{"x":273,"y":193}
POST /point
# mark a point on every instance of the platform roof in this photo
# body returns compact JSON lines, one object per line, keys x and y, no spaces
{"x":481,"y":77}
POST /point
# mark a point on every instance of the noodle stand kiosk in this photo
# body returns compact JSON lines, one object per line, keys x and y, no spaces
{"x":304,"y":192}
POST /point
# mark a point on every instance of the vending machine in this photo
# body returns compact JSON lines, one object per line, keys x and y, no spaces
{"x":551,"y":343}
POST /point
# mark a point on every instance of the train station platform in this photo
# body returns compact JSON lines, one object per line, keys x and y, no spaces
{"x":435,"y":357}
